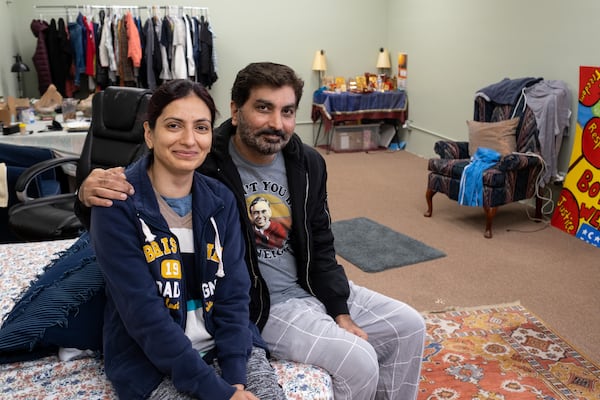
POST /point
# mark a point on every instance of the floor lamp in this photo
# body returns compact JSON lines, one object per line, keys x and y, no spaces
{"x":19,"y":67}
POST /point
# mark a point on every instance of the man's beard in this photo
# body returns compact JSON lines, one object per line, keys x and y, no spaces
{"x":253,"y":139}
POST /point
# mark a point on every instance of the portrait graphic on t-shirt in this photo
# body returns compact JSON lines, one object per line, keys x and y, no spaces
{"x":271,"y":221}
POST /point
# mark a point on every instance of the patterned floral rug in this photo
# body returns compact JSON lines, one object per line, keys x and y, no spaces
{"x":501,"y":352}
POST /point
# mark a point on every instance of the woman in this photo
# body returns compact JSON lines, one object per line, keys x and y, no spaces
{"x":173,"y":260}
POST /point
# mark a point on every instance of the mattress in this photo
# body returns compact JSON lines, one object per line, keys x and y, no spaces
{"x":50,"y":378}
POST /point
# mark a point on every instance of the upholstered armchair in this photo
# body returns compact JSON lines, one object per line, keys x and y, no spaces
{"x":514,"y":177}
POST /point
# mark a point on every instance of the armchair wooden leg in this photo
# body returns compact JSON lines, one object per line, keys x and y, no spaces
{"x":428,"y":196}
{"x":490,"y":212}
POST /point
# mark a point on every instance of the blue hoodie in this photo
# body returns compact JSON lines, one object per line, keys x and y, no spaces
{"x":144,"y":327}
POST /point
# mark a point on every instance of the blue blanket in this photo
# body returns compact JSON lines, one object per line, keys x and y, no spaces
{"x":471,"y":181}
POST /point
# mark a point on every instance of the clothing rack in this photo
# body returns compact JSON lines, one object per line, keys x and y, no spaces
{"x":203,"y":11}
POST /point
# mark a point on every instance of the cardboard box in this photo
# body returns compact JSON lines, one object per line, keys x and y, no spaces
{"x":355,"y":138}
{"x":9,"y":110}
{"x":4,"y":114}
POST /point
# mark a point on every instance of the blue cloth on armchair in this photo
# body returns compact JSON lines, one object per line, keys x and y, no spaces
{"x":471,"y":182}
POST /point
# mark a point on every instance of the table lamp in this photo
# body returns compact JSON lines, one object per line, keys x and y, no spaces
{"x":383,"y":60}
{"x":320,"y":64}
{"x":19,"y":67}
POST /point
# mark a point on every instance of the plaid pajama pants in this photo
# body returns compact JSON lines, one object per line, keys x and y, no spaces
{"x":386,"y":366}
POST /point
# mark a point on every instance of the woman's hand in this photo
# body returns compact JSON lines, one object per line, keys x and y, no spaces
{"x":241,"y":394}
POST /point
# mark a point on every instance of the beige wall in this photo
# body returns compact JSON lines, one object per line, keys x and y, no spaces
{"x":8,"y":84}
{"x":454,"y":48}
{"x":457,"y":47}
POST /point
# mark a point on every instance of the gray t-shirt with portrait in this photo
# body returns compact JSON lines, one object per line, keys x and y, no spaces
{"x":269,"y":209}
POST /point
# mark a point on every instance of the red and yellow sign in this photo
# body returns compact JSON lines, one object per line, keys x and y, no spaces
{"x":578,"y":206}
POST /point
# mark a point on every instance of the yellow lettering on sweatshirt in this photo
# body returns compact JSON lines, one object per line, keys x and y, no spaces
{"x":211,"y":254}
{"x":154,"y":249}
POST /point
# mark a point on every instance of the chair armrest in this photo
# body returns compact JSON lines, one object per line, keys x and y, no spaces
{"x":517,"y":161}
{"x":34,"y":171}
{"x":452,"y":150}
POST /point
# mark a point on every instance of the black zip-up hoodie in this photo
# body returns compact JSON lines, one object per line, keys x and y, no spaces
{"x":311,"y":237}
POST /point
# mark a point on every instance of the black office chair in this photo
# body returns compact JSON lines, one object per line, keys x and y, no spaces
{"x":115,"y":138}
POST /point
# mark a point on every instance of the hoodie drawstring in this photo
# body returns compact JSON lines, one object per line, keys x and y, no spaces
{"x":147,"y":232}
{"x":218,"y":249}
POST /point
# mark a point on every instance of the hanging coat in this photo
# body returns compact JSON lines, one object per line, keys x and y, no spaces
{"x":40,"y":55}
{"x":65,"y":58}
{"x":207,"y":75}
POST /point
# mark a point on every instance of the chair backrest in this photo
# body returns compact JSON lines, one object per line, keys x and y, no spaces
{"x":116,"y":134}
{"x":527,"y":130}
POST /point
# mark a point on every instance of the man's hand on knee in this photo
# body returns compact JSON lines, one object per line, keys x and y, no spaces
{"x":344,"y":321}
{"x":102,"y":186}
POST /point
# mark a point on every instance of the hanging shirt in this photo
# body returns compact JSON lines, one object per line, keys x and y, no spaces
{"x":163,"y":28}
{"x":179,"y":61}
{"x":90,"y":48}
{"x":189,"y":49}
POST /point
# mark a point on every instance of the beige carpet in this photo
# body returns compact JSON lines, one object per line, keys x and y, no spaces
{"x":553,"y":274}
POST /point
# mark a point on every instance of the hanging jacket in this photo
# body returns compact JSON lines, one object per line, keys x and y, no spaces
{"x":507,"y":91}
{"x":56,"y":70}
{"x":134,"y":45}
{"x":40,"y":55}
{"x":550,"y":102}
{"x":90,"y":48}
{"x":145,"y":290}
{"x":65,"y":58}
{"x":471,"y":182}
{"x":76,"y":38}
{"x":207,"y":74}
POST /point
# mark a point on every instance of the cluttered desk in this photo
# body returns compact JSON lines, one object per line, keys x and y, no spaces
{"x":65,"y":138}
{"x":333,"y":108}
{"x":52,"y":122}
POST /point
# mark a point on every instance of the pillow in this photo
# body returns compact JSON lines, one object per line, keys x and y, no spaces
{"x":499,"y":136}
{"x":63,"y":307}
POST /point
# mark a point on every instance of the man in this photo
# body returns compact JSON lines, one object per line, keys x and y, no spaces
{"x":307,"y":309}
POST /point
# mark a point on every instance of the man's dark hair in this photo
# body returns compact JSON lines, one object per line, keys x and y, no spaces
{"x":264,"y":74}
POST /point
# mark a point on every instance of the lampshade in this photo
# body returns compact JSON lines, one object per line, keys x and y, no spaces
{"x":383,"y":60}
{"x":319,"y":62}
{"x":19,"y":65}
